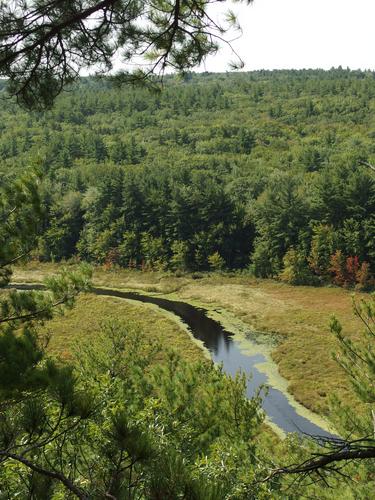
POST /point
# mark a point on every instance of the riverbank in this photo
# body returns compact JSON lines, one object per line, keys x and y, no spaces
{"x":297,"y":317}
{"x":84,"y":322}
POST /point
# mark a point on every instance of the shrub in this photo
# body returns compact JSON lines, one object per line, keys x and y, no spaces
{"x":363,"y":277}
{"x":264,"y":265}
{"x":129,"y":249}
{"x":352,"y":268}
{"x":216,"y":262}
{"x":349,"y":272}
{"x":112,"y":258}
{"x":197,"y":276}
{"x":179,"y":259}
{"x":153,"y":251}
{"x":296,"y":270}
{"x":338,"y":268}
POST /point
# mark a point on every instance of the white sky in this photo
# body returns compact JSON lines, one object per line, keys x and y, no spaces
{"x":302,"y":34}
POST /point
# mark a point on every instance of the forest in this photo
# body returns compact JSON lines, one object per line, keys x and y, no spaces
{"x":264,"y":172}
{"x":187,"y":259}
{"x":222,"y":191}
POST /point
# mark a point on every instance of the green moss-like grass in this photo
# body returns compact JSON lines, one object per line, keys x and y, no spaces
{"x":297,"y":316}
{"x":84,"y":321}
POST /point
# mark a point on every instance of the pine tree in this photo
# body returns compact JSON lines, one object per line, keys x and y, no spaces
{"x":32,"y":386}
{"x":55,"y":40}
{"x":116,"y":423}
{"x":354,"y":452}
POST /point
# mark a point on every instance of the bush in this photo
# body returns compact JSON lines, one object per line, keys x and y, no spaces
{"x":112,"y":259}
{"x":129,"y":249}
{"x":197,"y":276}
{"x":216,"y":262}
{"x":296,"y":270}
{"x":153,"y":251}
{"x":179,"y":273}
{"x":349,"y":272}
{"x":352,"y":269}
{"x":337,"y":268}
{"x":322,"y":247}
{"x":363,"y":277}
{"x":179,"y":259}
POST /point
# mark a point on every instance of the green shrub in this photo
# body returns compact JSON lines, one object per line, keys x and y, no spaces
{"x":296,"y":270}
{"x":216,"y":262}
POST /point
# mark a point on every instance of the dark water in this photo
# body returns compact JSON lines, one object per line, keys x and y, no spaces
{"x":224,"y":349}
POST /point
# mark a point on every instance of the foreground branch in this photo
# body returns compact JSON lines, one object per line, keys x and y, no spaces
{"x":326,"y":462}
{"x":46,"y":36}
{"x":48,"y":473}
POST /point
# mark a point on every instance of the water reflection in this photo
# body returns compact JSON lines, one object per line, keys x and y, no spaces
{"x":224,"y":349}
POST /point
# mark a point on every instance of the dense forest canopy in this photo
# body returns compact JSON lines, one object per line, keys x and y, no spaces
{"x":268,"y":172}
{"x":256,"y":170}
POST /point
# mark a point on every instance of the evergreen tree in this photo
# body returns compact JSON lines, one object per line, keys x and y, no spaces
{"x":114,"y":423}
{"x":336,"y":456}
{"x":56,"y":40}
{"x":32,"y":386}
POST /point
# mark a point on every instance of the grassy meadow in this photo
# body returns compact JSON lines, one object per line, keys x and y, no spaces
{"x":298,"y":317}
{"x":85,"y":320}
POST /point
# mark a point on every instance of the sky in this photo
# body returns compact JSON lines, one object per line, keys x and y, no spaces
{"x":302,"y":34}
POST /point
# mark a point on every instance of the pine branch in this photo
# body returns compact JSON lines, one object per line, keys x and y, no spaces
{"x":58,"y":476}
{"x":36,"y":314}
{"x":326,"y":462}
{"x":56,"y":30}
{"x":17,"y":258}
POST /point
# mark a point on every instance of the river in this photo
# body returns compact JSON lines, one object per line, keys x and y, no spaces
{"x":225,"y":348}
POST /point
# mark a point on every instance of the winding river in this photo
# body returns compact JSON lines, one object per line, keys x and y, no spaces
{"x":225,"y":348}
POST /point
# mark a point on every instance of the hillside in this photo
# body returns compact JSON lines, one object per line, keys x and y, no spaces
{"x":251,"y":176}
{"x":217,"y":171}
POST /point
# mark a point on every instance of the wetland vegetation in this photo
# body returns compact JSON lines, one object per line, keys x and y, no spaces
{"x":159,"y":241}
{"x":295,"y":318}
{"x":250,"y":196}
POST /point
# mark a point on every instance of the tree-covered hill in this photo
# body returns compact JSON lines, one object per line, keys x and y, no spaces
{"x":257,"y":169}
